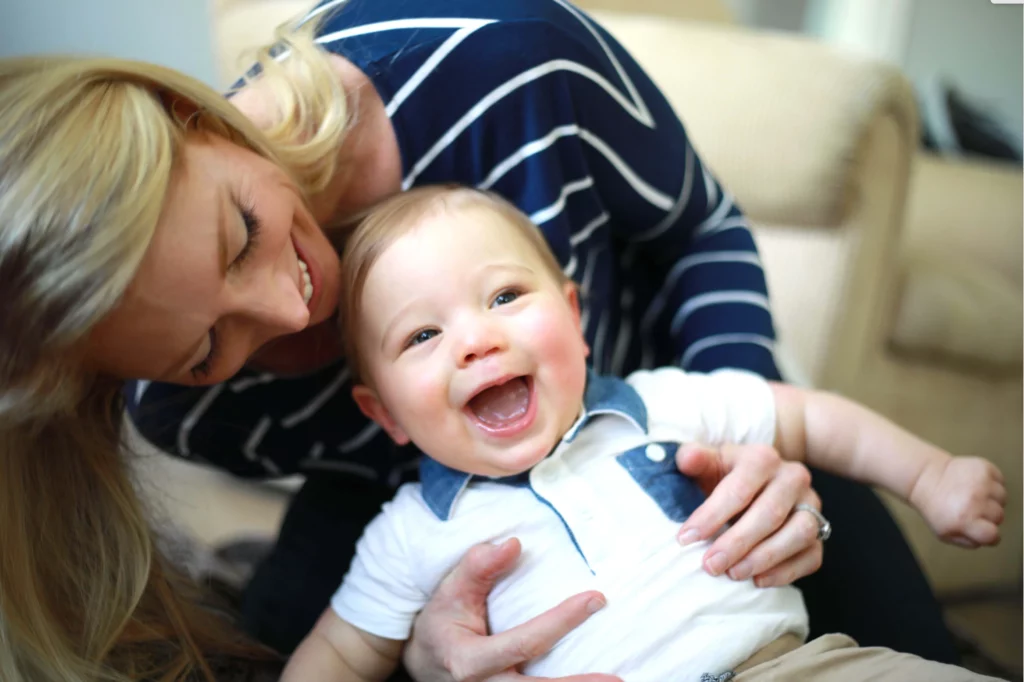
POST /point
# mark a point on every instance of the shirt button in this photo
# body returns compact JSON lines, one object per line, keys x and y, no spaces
{"x":655,"y":452}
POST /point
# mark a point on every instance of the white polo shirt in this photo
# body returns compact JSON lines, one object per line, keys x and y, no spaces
{"x":601,"y":512}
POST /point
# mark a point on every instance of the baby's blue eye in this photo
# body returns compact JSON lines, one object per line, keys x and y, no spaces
{"x":422,"y":336}
{"x":505,"y":297}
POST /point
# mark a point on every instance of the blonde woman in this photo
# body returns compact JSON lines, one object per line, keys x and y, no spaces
{"x":153,"y":231}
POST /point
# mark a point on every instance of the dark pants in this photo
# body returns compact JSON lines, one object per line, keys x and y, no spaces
{"x":870,"y":586}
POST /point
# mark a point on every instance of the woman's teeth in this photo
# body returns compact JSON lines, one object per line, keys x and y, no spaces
{"x":307,"y":283}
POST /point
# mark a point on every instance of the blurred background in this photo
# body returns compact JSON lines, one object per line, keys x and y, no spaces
{"x":875,"y":146}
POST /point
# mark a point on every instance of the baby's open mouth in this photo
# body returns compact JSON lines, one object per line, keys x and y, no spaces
{"x":503,"y":405}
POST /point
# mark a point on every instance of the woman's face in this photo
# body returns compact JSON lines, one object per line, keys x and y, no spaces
{"x":236,"y":261}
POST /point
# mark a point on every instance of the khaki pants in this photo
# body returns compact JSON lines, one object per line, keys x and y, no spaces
{"x":837,"y":658}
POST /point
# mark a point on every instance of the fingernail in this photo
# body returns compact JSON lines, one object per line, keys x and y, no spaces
{"x":716,"y":564}
{"x":741,"y":571}
{"x":595,"y":605}
{"x":764,"y":582}
{"x":689,"y":536}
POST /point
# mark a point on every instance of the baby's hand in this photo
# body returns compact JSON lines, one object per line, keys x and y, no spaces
{"x":962,"y":500}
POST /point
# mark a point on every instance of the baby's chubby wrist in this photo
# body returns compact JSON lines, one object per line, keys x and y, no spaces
{"x":927,"y":484}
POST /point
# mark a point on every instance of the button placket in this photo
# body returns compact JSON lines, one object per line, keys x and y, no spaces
{"x":576,"y":502}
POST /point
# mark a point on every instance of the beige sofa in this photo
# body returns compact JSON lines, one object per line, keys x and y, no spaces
{"x":917,"y":313}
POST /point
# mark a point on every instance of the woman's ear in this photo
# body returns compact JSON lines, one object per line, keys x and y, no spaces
{"x":370,"y":405}
{"x":572,"y":295}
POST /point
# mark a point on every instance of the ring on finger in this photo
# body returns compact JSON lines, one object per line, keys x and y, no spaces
{"x":824,"y":526}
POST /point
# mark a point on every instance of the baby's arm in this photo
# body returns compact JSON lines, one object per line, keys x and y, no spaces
{"x":336,"y":651}
{"x":962,"y":498}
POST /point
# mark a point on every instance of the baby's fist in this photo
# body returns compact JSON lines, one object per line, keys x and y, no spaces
{"x":962,"y":499}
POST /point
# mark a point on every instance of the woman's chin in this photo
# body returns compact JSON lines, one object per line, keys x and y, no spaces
{"x":313,"y":348}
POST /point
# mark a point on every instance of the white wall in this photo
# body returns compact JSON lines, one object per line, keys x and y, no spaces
{"x":778,"y":15}
{"x":175,"y":33}
{"x":973,"y":44}
{"x":874,"y":28}
{"x":977,"y":46}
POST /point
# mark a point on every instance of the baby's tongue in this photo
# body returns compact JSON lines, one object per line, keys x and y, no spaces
{"x":502,"y":404}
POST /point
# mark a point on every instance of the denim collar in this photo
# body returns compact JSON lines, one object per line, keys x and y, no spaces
{"x":441,"y":485}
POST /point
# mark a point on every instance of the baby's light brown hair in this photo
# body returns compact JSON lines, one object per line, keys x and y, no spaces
{"x":394,"y":217}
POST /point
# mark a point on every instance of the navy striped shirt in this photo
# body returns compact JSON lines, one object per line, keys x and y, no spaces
{"x":531,"y":99}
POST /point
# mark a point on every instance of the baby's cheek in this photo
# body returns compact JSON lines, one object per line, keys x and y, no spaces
{"x":560,"y":344}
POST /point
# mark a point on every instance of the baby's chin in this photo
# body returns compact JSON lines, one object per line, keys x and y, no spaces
{"x":507,"y":464}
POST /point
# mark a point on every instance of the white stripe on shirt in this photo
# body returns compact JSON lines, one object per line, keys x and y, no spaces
{"x":402,"y":24}
{"x":193,"y":416}
{"x":436,"y":58}
{"x":318,"y":401}
{"x":509,"y":86}
{"x":644,"y":115}
{"x":588,"y":229}
{"x":707,"y":342}
{"x":527,"y":150}
{"x":681,"y":266}
{"x":548,"y":212}
{"x":680,"y":204}
{"x":714,"y":298}
{"x":360,"y":439}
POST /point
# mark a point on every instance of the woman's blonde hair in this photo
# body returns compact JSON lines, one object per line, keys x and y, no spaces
{"x":393,"y":217}
{"x":88,"y":148}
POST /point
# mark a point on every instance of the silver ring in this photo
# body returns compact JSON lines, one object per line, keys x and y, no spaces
{"x":824,"y":527}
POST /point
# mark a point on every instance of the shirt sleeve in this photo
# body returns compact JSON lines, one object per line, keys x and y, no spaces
{"x":581,"y":139}
{"x":725,"y":406}
{"x":379,"y":594}
{"x":257,"y":425}
{"x":678,"y":265}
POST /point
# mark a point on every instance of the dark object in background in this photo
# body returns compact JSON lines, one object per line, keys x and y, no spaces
{"x":952,"y":125}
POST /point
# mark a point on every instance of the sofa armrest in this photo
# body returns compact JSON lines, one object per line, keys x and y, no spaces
{"x":782,"y":120}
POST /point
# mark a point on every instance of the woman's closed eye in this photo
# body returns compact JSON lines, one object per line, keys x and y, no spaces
{"x":252,"y":233}
{"x":251,"y":222}
{"x":202,"y":369}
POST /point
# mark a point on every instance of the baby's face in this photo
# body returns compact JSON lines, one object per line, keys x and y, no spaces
{"x":472,"y":348}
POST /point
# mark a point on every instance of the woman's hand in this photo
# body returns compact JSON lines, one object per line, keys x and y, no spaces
{"x":450,"y":640}
{"x":752,"y":486}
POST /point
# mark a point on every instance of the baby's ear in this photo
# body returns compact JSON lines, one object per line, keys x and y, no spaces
{"x":367,"y":400}
{"x":572,"y":294}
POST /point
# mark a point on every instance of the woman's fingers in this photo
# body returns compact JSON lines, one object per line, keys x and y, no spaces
{"x":450,"y":639}
{"x":791,"y":570}
{"x":796,"y":535}
{"x":535,"y":637}
{"x":701,"y":463}
{"x":750,"y":468}
{"x":574,"y":678}
{"x":446,"y":631}
{"x":772,"y":511}
{"x":473,"y":578}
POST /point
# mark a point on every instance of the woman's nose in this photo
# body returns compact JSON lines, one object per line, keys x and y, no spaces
{"x":276,"y":302}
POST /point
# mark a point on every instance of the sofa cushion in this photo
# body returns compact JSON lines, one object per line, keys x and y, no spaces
{"x":781,"y":119}
{"x":957,"y":309}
